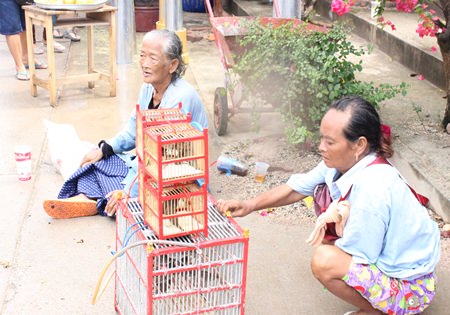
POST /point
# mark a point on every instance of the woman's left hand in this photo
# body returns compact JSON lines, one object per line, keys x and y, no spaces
{"x":114,"y":197}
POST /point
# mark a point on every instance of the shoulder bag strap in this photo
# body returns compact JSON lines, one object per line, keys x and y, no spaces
{"x":421,"y":198}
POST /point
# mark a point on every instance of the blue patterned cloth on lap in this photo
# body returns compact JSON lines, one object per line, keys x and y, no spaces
{"x":96,"y":181}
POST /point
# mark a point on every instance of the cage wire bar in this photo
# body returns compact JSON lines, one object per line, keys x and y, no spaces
{"x":165,"y":279}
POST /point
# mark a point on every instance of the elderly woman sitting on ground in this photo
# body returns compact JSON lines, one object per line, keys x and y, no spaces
{"x":105,"y":170}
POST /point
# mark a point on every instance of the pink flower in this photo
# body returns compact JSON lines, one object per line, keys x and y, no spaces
{"x":406,"y":5}
{"x":433,"y":49}
{"x":341,"y":7}
{"x":427,"y":28}
{"x":384,"y":22}
{"x":420,"y":77}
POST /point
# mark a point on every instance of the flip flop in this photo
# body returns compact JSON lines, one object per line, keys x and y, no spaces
{"x":22,"y":75}
{"x":70,"y":208}
{"x":37,"y":65}
{"x":57,"y":33}
{"x":72,"y":36}
{"x":38,"y":50}
{"x":57,"y":47}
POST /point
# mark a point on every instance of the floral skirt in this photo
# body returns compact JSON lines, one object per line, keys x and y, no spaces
{"x":390,"y":295}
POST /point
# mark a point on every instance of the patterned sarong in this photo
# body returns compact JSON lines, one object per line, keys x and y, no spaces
{"x":96,"y":181}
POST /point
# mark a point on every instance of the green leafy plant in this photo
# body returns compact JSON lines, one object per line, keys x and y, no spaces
{"x":300,"y":71}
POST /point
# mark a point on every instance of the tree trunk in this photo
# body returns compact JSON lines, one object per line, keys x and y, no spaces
{"x":444,"y":44}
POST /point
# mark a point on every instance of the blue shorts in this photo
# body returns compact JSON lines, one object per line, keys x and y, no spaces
{"x":12,"y":18}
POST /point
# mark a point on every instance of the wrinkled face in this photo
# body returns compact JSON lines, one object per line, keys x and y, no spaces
{"x":337,"y":152}
{"x":157,"y":69}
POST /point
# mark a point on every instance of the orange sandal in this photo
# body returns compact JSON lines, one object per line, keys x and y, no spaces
{"x":70,"y":208}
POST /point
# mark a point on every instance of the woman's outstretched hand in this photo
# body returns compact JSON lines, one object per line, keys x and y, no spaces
{"x":236,"y":208}
{"x":113,"y":201}
{"x":92,"y":156}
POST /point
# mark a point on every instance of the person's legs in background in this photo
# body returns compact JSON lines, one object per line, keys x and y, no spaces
{"x":15,"y":48}
{"x":56,"y":31}
{"x":37,"y":50}
{"x":23,"y":42}
{"x":57,"y":47}
{"x":12,"y":25}
{"x":37,"y":64}
{"x":71,"y":34}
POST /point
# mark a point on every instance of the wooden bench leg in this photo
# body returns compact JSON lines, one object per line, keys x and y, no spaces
{"x":30,"y":52}
{"x":51,"y":60}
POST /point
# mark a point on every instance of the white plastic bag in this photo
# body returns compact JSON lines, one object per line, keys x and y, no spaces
{"x":65,"y":147}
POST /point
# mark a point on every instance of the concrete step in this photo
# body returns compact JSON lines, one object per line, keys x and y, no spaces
{"x":403,"y":44}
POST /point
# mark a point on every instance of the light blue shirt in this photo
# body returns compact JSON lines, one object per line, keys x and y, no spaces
{"x":177,"y":92}
{"x":387,"y":226}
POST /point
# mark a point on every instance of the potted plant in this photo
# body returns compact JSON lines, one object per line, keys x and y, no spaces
{"x":146,"y":14}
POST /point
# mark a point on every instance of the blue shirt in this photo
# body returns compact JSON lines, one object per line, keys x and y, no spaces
{"x":177,"y":91}
{"x":387,"y":226}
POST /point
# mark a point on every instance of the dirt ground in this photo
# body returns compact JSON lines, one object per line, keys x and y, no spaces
{"x":283,"y":159}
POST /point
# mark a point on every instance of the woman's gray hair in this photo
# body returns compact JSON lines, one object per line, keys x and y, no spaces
{"x":172,"y":48}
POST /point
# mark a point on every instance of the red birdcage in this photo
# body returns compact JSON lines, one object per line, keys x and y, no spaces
{"x":175,"y":153}
{"x":175,"y":210}
{"x":186,"y":275}
{"x":151,"y":117}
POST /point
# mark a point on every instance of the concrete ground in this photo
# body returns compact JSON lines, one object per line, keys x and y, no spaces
{"x":51,"y":266}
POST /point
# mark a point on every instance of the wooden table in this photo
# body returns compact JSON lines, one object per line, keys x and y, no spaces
{"x":103,"y":16}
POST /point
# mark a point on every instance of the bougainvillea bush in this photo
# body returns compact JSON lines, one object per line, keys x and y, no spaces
{"x":433,"y":20}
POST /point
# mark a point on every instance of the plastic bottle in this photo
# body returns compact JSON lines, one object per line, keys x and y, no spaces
{"x":231,"y":166}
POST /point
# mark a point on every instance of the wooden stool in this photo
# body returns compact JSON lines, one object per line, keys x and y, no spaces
{"x":103,"y":16}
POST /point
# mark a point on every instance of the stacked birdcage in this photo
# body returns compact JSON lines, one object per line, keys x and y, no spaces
{"x":173,"y":177}
{"x":192,"y":274}
{"x":147,"y":118}
{"x":202,"y":268}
